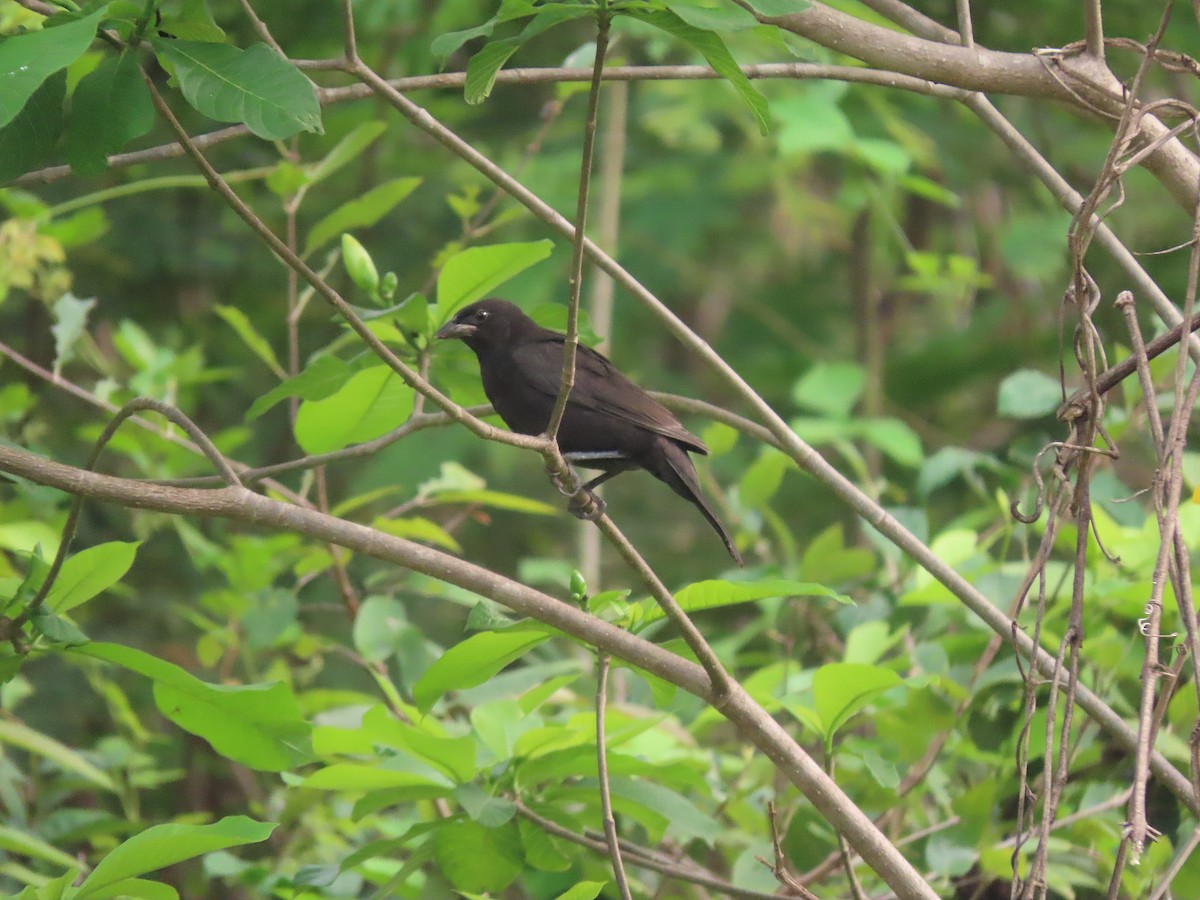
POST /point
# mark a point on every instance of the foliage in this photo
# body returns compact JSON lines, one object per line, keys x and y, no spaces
{"x":193,"y":706}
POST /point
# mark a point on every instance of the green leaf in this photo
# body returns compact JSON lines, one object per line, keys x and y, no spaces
{"x":27,"y":60}
{"x":377,"y":628}
{"x":483,"y":66}
{"x":90,"y":572}
{"x":778,"y":7}
{"x":716,"y":593}
{"x":474,"y":858}
{"x":418,"y":528}
{"x":498,"y":500}
{"x":320,"y":379}
{"x":109,"y":108}
{"x":371,"y":403}
{"x":831,"y":388}
{"x":258,"y":725}
{"x":14,"y":840}
{"x":472,"y":662}
{"x":714,"y":51}
{"x":1028,"y":394}
{"x":810,"y":122}
{"x":164,"y":845}
{"x":894,"y":438}
{"x":482,"y":807}
{"x":445,"y":44}
{"x":34,"y":742}
{"x":763,"y":478}
{"x":470,"y":274}
{"x":255,"y":86}
{"x":27,"y":141}
{"x":250,"y":336}
{"x":346,"y":150}
{"x":361,"y":212}
{"x":454,"y":757}
{"x":842,"y":689}
{"x":70,"y":324}
{"x":722,"y":18}
{"x":376,"y":777}
{"x":584,"y":890}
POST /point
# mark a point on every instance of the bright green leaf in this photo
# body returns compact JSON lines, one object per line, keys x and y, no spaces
{"x":371,"y":403}
{"x":830,"y":388}
{"x":164,"y":845}
{"x":346,"y":150}
{"x":320,"y":379}
{"x":90,"y":572}
{"x":27,"y":141}
{"x":361,"y":212}
{"x":470,"y":274}
{"x":842,"y":689}
{"x":251,"y":337}
{"x":474,"y":858}
{"x":472,"y":662}
{"x":258,"y":725}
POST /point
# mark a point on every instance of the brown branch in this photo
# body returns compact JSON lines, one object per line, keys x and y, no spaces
{"x":606,"y":811}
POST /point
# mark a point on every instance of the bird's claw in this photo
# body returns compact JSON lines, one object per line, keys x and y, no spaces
{"x":586,"y":506}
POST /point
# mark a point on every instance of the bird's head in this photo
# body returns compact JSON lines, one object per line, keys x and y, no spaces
{"x":488,"y":323}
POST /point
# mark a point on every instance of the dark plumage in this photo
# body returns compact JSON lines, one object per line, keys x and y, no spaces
{"x":610,"y":423}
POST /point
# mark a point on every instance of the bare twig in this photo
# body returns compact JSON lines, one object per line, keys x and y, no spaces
{"x":606,"y":811}
{"x":575,"y":285}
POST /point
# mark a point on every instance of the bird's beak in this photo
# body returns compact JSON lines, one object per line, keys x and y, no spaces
{"x":460,"y":330}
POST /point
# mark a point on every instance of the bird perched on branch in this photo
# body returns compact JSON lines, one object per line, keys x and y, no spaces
{"x":609,"y":424}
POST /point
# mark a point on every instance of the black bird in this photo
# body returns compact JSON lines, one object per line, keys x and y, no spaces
{"x":610,"y":423}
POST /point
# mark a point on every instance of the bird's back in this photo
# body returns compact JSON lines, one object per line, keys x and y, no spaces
{"x":605,"y":408}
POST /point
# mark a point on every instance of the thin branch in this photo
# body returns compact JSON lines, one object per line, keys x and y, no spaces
{"x":575,"y":285}
{"x":645,"y":859}
{"x":966,"y":30}
{"x":521,"y":76}
{"x":606,"y":811}
{"x":1093,"y":28}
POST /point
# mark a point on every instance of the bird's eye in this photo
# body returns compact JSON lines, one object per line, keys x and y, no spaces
{"x":481,"y":315}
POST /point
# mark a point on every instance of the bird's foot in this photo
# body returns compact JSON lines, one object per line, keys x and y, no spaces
{"x":587,"y":506}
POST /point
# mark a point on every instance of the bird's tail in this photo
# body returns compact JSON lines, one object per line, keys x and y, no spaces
{"x":680,"y":474}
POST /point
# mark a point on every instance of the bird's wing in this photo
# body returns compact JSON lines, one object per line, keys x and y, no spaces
{"x":599,"y":386}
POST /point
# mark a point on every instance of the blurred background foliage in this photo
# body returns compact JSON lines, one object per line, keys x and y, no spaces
{"x":878,"y":266}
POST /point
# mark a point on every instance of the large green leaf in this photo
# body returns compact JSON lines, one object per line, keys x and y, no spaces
{"x":255,"y":86}
{"x":470,"y":274}
{"x":110,"y":107}
{"x":90,"y":572}
{"x":257,"y":725}
{"x":27,"y":60}
{"x":371,"y":403}
{"x":164,"y":845}
{"x":472,"y":662}
{"x":474,"y":858}
{"x":842,"y":689}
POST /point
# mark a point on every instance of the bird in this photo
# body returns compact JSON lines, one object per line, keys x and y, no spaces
{"x":609,"y":424}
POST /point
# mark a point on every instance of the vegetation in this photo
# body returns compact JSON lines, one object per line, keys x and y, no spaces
{"x":285,"y":612}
